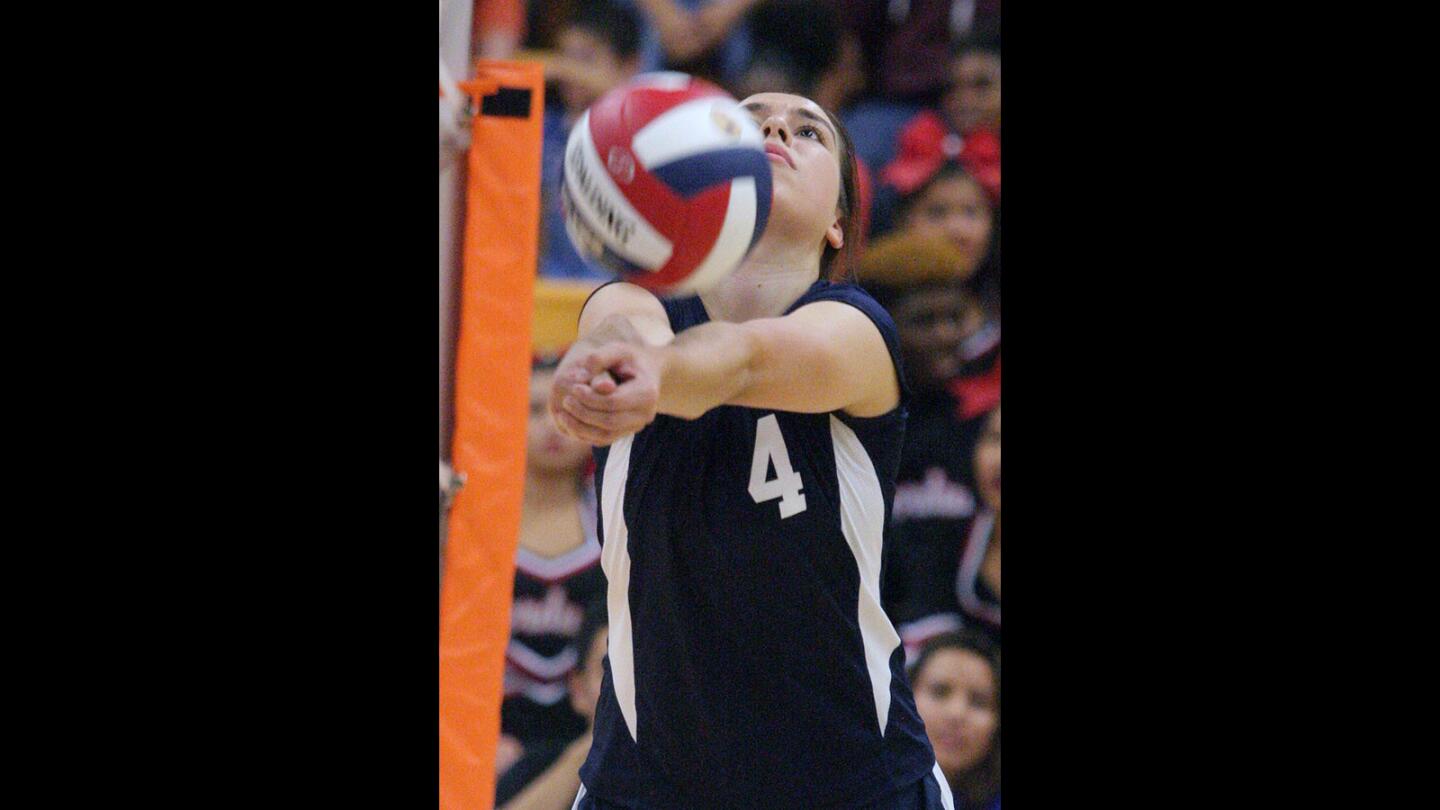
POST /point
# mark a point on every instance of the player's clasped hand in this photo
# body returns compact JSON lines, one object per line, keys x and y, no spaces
{"x":604,"y":393}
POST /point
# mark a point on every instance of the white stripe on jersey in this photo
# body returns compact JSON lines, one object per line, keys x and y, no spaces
{"x":615,"y":559}
{"x":862,"y":520}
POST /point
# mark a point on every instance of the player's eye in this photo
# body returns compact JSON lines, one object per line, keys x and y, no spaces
{"x":814,"y":133}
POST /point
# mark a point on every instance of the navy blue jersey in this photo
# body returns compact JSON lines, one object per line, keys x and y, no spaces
{"x":750,"y":662}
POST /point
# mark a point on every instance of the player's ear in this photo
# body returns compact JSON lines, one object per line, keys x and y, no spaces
{"x":835,"y":235}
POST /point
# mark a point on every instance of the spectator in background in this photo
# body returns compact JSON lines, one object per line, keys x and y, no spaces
{"x":557,"y":572}
{"x":551,"y":784}
{"x":800,"y":47}
{"x":544,"y":20}
{"x":905,"y":46}
{"x":705,"y":38}
{"x":957,"y":692}
{"x":950,"y":203}
{"x":498,"y":26}
{"x":907,"y":42}
{"x":977,"y":585}
{"x":966,"y":129}
{"x":598,"y":49}
{"x":919,"y":279}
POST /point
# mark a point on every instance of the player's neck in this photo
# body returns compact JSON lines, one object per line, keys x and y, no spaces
{"x":763,"y":286}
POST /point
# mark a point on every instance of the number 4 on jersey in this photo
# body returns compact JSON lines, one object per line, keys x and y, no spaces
{"x":786,"y":485}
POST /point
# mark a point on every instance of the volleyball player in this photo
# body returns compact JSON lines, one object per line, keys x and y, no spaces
{"x":747,"y":444}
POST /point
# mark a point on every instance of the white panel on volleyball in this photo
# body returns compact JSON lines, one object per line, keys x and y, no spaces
{"x":690,"y":128}
{"x":646,"y":247}
{"x":733,"y":241}
{"x":663,"y":80}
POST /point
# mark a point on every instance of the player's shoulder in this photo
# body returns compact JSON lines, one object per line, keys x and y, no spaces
{"x":851,"y":294}
{"x":625,"y":299}
{"x":848,"y":292}
{"x":618,"y":294}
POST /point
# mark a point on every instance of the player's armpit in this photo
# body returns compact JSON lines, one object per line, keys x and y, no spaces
{"x":825,"y":356}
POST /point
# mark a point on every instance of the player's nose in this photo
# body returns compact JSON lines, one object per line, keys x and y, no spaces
{"x":775,"y":125}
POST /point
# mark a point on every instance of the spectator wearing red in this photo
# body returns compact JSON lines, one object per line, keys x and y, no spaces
{"x":906,"y":42}
{"x":951,"y":205}
{"x":966,"y":128}
{"x":920,"y":280}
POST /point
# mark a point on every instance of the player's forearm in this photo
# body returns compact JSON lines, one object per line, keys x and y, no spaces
{"x":705,"y":367}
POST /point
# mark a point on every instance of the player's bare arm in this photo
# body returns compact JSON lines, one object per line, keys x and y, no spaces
{"x":823,"y":357}
{"x":617,"y":314}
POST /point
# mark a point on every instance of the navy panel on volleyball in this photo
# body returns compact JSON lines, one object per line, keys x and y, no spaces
{"x":692,"y":175}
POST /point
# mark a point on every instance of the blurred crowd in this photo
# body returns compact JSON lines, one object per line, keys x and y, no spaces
{"x":917,"y":85}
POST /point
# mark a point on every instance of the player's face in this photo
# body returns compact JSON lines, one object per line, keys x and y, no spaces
{"x":987,"y":461}
{"x":547,"y":449}
{"x":957,"y":210}
{"x":974,"y":97}
{"x":955,"y":694}
{"x":805,"y":166}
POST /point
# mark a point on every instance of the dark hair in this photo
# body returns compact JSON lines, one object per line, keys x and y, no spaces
{"x":980,"y":39}
{"x":949,"y":170}
{"x":800,"y":38}
{"x":597,"y":618}
{"x":978,"y":786}
{"x":839,"y":265}
{"x":615,"y":24}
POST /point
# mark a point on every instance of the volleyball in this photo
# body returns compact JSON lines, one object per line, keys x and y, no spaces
{"x":666,"y":183}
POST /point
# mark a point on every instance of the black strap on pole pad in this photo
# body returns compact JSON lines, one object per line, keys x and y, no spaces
{"x":508,"y":102}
